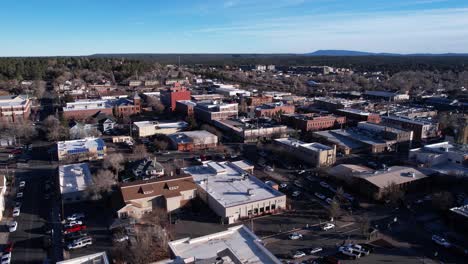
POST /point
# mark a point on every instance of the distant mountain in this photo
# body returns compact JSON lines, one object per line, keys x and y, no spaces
{"x":364,"y":53}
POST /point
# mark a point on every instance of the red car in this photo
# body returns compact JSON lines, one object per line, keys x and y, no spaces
{"x":74,"y":228}
{"x":8,"y":247}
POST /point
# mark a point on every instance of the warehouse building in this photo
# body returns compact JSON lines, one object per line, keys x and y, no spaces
{"x":74,"y":180}
{"x":232,"y":193}
{"x":193,"y":140}
{"x":251,"y":130}
{"x":423,"y":128}
{"x":235,"y":245}
{"x":315,"y":154}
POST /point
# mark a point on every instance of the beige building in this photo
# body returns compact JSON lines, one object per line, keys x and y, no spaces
{"x":151,"y":128}
{"x":3,"y":187}
{"x":232,"y":193}
{"x":168,"y":193}
{"x":315,"y":154}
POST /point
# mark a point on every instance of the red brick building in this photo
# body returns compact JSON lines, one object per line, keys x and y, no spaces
{"x":312,"y":122}
{"x":257,"y":100}
{"x":272,"y":109}
{"x":127,"y":107}
{"x":14,"y":108}
{"x":173,"y":94}
{"x":186,"y":108}
{"x":354,"y":116}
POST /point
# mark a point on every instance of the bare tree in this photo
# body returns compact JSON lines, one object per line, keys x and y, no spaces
{"x":155,"y":104}
{"x":140,"y":152}
{"x":340,"y":194}
{"x":392,"y":193}
{"x":39,"y":88}
{"x":160,"y":144}
{"x":442,"y":201}
{"x":116,"y":162}
{"x":54,"y":129}
{"x":335,"y":209}
{"x":364,"y":225}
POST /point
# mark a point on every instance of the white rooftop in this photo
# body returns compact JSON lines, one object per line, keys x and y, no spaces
{"x":74,"y":177}
{"x":230,"y":185}
{"x":235,"y":245}
{"x":13,"y":100}
{"x":80,"y":144}
{"x":317,"y":147}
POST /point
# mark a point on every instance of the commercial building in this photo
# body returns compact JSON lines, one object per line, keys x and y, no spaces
{"x":170,"y":96}
{"x":422,"y":128}
{"x":251,"y":130}
{"x":82,"y":109}
{"x":96,"y":258}
{"x":232,"y":193}
{"x":235,"y":245}
{"x":388,"y":132}
{"x":151,"y":128}
{"x":315,"y":154}
{"x":14,"y":108}
{"x":206,"y":97}
{"x":185,"y":107}
{"x":168,"y":193}
{"x":257,"y":100}
{"x":387,"y":96}
{"x":332,"y":104}
{"x":344,"y":143}
{"x":353,"y":116}
{"x":208,"y":112}
{"x":81,"y":149}
{"x":443,"y":157}
{"x":127,"y":107}
{"x":312,"y":122}
{"x":193,"y":140}
{"x":74,"y":180}
{"x":273,"y":109}
{"x":411,"y":112}
{"x":229,"y":90}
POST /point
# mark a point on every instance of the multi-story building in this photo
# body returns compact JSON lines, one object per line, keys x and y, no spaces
{"x":74,"y":180}
{"x":235,"y":245}
{"x":81,"y":149}
{"x":315,"y":154}
{"x":193,"y":140}
{"x":312,"y":122}
{"x":273,"y":109}
{"x":151,"y":128}
{"x":332,"y":104}
{"x":232,"y":193}
{"x":170,"y":96}
{"x":208,"y":112}
{"x":14,"y":108}
{"x":166,"y":193}
{"x":353,"y":116}
{"x":251,"y":130}
{"x":257,"y":100}
{"x":387,"y":96}
{"x":127,"y":107}
{"x":185,"y":107}
{"x":82,"y":109}
{"x":388,"y":132}
{"x":423,"y":129}
{"x":206,"y":97}
{"x":144,"y":169}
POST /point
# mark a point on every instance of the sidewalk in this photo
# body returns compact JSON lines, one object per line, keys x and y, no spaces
{"x":7,"y":218}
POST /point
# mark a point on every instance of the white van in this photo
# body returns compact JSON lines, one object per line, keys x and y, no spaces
{"x":82,"y":242}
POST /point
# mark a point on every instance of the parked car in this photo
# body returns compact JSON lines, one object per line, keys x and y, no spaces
{"x":349,"y":252}
{"x":72,"y":223}
{"x":283,"y":185}
{"x":75,"y":216}
{"x":74,"y":229}
{"x":315,"y":250}
{"x":16,"y":211}
{"x":296,"y":194}
{"x":441,"y":241}
{"x":19,"y":195}
{"x":332,"y":189}
{"x":319,"y":195}
{"x":360,"y":249}
{"x":75,"y":235}
{"x":8,"y":247}
{"x":18,"y":204}
{"x":80,"y":243}
{"x":121,"y":239}
{"x":298,"y":183}
{"x":299,"y":254}
{"x":310,"y":178}
{"x":328,"y":226}
{"x":269,"y":169}
{"x":22,"y":184}
{"x":12,"y":226}
{"x":329,"y":200}
{"x":324,"y":184}
{"x":295,"y":236}
{"x":6,"y":258}
{"x":301,"y":172}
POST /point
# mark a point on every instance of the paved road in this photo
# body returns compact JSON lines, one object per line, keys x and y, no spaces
{"x":29,"y":236}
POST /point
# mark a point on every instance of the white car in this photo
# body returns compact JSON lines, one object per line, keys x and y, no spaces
{"x":16,"y":211}
{"x":310,"y":178}
{"x":12,"y":226}
{"x":6,"y":258}
{"x":441,"y":241}
{"x":328,"y":226}
{"x":299,"y":254}
{"x":18,"y":204}
{"x":269,"y":168}
{"x":80,"y":243}
{"x":22,"y":184}
{"x":301,"y":172}
{"x":349,"y":252}
{"x":319,"y":195}
{"x":75,"y":216}
{"x":315,"y":250}
{"x":283,"y":185}
{"x":295,"y":236}
{"x":19,"y":195}
{"x":72,"y":223}
{"x":298,"y":184}
{"x":324,"y":184}
{"x":296,"y":193}
{"x":329,"y":200}
{"x":121,"y":238}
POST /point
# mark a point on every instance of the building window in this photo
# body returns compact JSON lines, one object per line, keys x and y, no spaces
{"x":256,"y":211}
{"x":249,"y":213}
{"x":267,"y":208}
{"x":273,"y":206}
{"x":262,"y":210}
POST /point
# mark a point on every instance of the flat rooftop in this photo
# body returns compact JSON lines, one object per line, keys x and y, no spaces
{"x":230,"y":185}
{"x":394,"y":174}
{"x":339,"y":139}
{"x":13,"y":100}
{"x":235,"y":245}
{"x":292,"y":142}
{"x":462,"y":210}
{"x":80,"y":145}
{"x":354,"y":111}
{"x":418,"y":121}
{"x":74,"y":177}
{"x":443,"y":147}
{"x":97,"y":258}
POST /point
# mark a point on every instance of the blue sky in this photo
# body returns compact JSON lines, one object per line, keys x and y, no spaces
{"x":82,"y":27}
